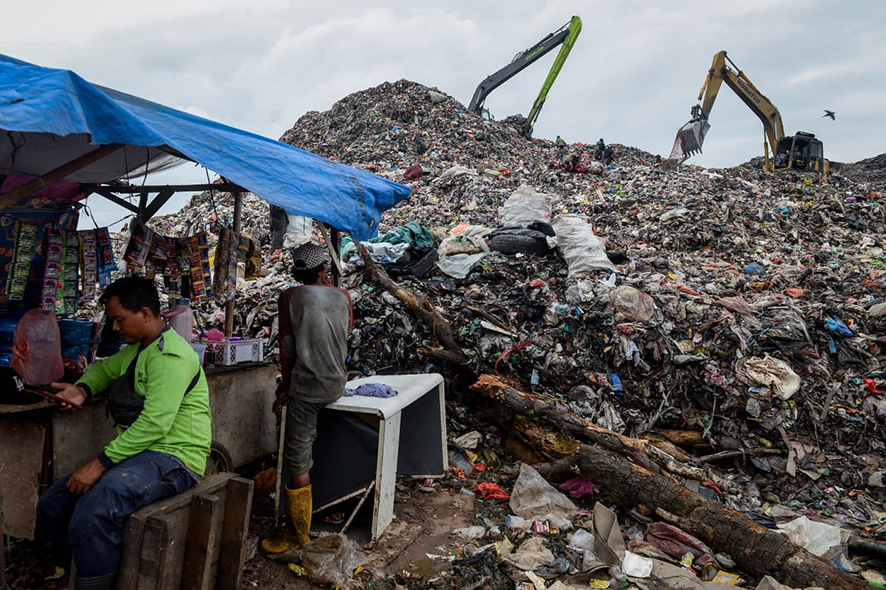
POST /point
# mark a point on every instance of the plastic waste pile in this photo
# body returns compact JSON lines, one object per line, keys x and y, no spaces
{"x":738,"y":314}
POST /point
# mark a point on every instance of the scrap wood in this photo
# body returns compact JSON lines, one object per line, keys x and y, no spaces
{"x":755,"y":549}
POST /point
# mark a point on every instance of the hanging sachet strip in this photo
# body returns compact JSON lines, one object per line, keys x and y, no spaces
{"x":20,"y":269}
{"x":105,"y":256}
{"x":52,"y":298}
{"x":71,"y":271}
{"x":89,"y":256}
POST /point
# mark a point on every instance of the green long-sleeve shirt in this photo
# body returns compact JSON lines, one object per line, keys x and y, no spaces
{"x":171,"y":422}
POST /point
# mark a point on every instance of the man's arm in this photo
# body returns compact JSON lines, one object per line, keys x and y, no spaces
{"x":168,"y":377}
{"x":100,"y":375}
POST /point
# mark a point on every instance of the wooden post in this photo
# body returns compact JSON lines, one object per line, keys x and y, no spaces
{"x":331,"y":245}
{"x":335,"y":236}
{"x":229,"y":305}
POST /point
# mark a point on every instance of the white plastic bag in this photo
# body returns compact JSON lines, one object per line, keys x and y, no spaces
{"x":525,"y":206}
{"x":580,"y":248}
{"x":533,"y":498}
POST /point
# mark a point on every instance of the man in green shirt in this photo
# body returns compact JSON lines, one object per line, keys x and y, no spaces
{"x":159,"y":400}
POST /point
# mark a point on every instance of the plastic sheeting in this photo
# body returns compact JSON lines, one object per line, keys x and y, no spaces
{"x":50,"y":117}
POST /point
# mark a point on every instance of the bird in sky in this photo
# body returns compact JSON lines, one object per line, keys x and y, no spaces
{"x":830,"y":114}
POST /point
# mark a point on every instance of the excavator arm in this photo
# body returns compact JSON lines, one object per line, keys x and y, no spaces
{"x":565,"y":35}
{"x":691,"y":136}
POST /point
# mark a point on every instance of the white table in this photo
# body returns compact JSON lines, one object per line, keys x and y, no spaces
{"x":363,"y":443}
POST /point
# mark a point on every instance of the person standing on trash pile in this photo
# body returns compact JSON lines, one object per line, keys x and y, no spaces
{"x":159,"y":400}
{"x":279,"y":222}
{"x":600,"y":150}
{"x":561,"y":148}
{"x":315,"y":319}
{"x":608,"y":156}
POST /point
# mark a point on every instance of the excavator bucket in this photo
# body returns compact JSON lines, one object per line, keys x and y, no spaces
{"x":691,"y":136}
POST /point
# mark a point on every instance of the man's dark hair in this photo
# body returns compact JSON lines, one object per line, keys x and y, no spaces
{"x":307,"y":276}
{"x":134,"y":293}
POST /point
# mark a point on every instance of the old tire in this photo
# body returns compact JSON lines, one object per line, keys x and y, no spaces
{"x":516,"y":244}
{"x":219,"y":460}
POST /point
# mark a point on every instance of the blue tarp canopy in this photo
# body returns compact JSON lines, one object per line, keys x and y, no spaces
{"x":51,"y":117}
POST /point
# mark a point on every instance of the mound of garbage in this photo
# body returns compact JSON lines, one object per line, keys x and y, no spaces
{"x":871,"y":170}
{"x":737,"y":314}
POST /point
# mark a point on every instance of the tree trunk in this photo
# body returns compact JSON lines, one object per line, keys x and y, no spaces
{"x":418,"y":305}
{"x":608,"y":464}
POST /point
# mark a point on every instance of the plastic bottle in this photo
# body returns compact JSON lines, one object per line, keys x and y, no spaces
{"x":181,"y":319}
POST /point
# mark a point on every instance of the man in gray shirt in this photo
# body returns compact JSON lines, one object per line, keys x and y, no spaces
{"x":315,"y":319}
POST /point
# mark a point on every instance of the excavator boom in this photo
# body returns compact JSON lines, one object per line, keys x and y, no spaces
{"x":565,"y":35}
{"x":690,"y":136}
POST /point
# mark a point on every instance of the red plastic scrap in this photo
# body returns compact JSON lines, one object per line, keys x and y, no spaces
{"x":578,"y":487}
{"x":871,"y":385}
{"x":678,"y":543}
{"x":488,"y":490}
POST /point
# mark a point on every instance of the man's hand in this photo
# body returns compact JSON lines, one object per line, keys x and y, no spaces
{"x":282,"y":398}
{"x":69,"y":391}
{"x":85,"y":477}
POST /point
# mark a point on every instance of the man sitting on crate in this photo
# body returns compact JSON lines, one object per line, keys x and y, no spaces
{"x":159,"y":400}
{"x":315,"y":319}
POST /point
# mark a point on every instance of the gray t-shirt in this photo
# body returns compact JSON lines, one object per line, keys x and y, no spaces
{"x":321,"y":317}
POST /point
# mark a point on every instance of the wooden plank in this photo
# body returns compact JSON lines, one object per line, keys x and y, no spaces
{"x":153,"y":554}
{"x":222,"y":187}
{"x":233,"y":538}
{"x":130,"y":555}
{"x":21,"y":459}
{"x":179,"y":521}
{"x":206,"y":513}
{"x":32,"y":186}
{"x":207,"y":485}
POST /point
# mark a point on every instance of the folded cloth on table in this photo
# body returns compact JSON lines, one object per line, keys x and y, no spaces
{"x":371,"y":390}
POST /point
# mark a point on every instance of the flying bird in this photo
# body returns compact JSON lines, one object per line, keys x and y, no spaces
{"x":830,"y":114}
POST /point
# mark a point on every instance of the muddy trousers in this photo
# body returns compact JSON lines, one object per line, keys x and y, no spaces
{"x":92,"y":523}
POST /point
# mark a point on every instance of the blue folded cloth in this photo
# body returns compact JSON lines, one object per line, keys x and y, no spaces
{"x":371,"y":390}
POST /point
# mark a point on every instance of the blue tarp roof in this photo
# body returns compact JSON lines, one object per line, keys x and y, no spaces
{"x":55,"y":116}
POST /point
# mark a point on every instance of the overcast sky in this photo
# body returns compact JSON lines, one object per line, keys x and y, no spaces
{"x":632,"y":77}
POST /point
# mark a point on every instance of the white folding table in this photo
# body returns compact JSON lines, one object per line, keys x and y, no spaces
{"x":363,"y":443}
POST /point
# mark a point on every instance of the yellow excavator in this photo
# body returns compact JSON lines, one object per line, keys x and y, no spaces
{"x":798,"y":152}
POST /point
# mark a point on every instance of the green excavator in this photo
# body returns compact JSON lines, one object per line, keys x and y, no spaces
{"x":565,"y":35}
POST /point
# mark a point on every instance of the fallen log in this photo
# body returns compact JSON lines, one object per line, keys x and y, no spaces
{"x":418,"y":305}
{"x":754,"y":548}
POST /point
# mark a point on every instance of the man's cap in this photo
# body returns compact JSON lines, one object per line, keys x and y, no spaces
{"x":12,"y":389}
{"x":309,"y":256}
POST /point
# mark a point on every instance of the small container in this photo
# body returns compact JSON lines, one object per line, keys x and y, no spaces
{"x":181,"y":319}
{"x":200,"y":349}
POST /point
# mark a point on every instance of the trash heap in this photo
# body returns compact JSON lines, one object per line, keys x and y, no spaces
{"x":736,"y":314}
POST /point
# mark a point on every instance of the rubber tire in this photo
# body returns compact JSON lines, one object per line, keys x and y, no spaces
{"x":219,"y":460}
{"x":516,"y":244}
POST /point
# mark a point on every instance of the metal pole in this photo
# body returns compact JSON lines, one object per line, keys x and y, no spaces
{"x":229,"y":305}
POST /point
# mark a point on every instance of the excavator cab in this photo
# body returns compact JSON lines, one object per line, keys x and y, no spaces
{"x":800,"y":152}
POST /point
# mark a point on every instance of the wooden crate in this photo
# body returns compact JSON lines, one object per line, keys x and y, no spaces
{"x":195,"y":540}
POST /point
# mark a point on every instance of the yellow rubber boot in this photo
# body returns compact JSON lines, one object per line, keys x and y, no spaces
{"x":300,"y":510}
{"x":296,"y":532}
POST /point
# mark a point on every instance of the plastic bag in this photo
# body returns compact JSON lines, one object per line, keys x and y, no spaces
{"x":524,"y":206}
{"x":298,"y":231}
{"x":332,"y":559}
{"x":631,"y":305}
{"x":533,"y":498}
{"x":580,"y":248}
{"x":37,"y":351}
{"x":459,"y":265}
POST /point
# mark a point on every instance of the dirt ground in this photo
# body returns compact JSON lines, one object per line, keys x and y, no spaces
{"x":422,"y":525}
